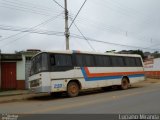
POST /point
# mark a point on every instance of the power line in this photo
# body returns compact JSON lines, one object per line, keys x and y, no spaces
{"x":46,"y":32}
{"x":77,"y":13}
{"x":129,"y":9}
{"x":107,"y":42}
{"x":25,"y":7}
{"x":109,"y":28}
{"x":124,"y":11}
{"x":110,"y":43}
{"x":28,"y":4}
{"x":45,"y":22}
{"x":58,"y":4}
{"x":75,"y":24}
{"x":114,"y":29}
{"x":84,"y":37}
{"x":21,"y":9}
{"x":153,"y":45}
{"x":113,"y":43}
{"x":101,"y":26}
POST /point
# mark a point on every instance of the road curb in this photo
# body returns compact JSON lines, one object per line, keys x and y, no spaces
{"x":12,"y":100}
{"x":15,"y":98}
{"x":13,"y":94}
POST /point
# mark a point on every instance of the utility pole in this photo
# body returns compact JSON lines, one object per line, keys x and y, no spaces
{"x":66,"y":25}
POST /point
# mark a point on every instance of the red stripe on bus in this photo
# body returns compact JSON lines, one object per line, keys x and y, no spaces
{"x":111,"y":74}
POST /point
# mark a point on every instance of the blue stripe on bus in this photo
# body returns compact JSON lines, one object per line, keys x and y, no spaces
{"x":107,"y":77}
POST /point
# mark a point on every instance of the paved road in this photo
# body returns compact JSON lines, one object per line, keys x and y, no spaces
{"x":143,"y":99}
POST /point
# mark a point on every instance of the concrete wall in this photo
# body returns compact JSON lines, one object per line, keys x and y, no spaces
{"x":152,"y":65}
{"x":21,"y":69}
{"x":21,"y":74}
{"x":156,"y":65}
{"x":152,"y":68}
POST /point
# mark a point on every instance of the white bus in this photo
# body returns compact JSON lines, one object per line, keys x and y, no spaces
{"x":74,"y":71}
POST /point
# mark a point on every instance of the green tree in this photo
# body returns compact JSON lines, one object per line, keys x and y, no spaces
{"x":139,"y":52}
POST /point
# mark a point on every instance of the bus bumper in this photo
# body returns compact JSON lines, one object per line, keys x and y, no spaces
{"x":40,"y":89}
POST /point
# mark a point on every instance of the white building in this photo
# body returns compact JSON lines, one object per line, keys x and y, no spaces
{"x":152,"y":68}
{"x":14,"y":69}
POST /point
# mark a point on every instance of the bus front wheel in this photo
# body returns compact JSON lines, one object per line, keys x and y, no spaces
{"x":125,"y":83}
{"x":73,"y":89}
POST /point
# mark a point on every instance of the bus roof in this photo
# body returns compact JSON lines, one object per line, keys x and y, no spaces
{"x":85,"y":52}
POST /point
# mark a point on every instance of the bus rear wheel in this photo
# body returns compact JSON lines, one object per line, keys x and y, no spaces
{"x":73,"y":89}
{"x":125,"y":83}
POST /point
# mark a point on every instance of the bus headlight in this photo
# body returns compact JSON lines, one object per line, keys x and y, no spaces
{"x":35,"y":83}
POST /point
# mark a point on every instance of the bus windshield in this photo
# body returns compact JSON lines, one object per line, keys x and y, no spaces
{"x":39,"y":63}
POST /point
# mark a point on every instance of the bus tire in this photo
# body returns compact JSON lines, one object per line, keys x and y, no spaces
{"x":124,"y":83}
{"x":73,"y":89}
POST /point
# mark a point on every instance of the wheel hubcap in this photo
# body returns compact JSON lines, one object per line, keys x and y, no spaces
{"x":73,"y":89}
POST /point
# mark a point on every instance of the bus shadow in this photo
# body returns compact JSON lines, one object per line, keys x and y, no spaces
{"x":107,"y":90}
{"x":48,"y":97}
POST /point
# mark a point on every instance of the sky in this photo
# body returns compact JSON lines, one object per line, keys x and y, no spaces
{"x":120,"y":24}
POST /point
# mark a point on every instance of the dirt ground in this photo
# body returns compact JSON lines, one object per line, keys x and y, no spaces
{"x":151,"y":80}
{"x":146,"y":82}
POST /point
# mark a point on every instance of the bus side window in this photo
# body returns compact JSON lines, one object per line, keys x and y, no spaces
{"x":84,"y":60}
{"x":102,"y":61}
{"x":99,"y":61}
{"x":138,"y":62}
{"x":63,"y":60}
{"x":79,"y":60}
{"x":117,"y":61}
{"x":130,"y":61}
{"x":88,"y":60}
{"x":52,"y":60}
